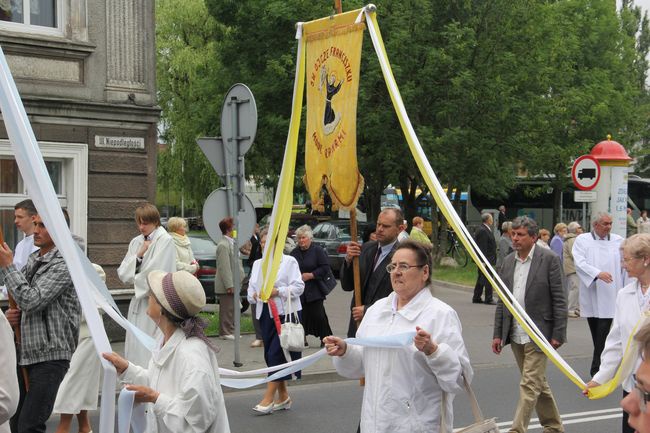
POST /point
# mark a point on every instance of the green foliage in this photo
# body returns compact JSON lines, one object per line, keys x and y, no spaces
{"x":491,"y":86}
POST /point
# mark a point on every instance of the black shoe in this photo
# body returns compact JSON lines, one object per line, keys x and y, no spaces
{"x":490,"y":302}
{"x":477,"y":301}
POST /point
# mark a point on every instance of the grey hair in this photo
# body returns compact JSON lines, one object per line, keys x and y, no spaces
{"x":526,"y":222}
{"x":598,"y":216}
{"x":485,"y":217}
{"x":573,"y":227}
{"x":506,"y":226}
{"x":304,"y":230}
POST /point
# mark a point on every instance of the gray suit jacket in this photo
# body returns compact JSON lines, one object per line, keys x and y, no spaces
{"x":223,"y":278}
{"x":545,"y":300}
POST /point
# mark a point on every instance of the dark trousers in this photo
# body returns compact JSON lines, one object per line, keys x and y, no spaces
{"x":35,"y":406}
{"x":599,"y":329}
{"x":482,"y":283}
{"x":273,"y":353}
{"x":626,"y":416}
{"x":256,"y":323}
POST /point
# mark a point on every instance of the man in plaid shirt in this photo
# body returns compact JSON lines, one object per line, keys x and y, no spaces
{"x":48,"y":316}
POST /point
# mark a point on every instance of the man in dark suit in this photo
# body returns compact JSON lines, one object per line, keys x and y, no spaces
{"x":373,"y":258}
{"x":534,"y":275}
{"x":487,"y":244}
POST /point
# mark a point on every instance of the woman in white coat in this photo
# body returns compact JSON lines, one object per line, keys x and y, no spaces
{"x":8,"y":379}
{"x":407,"y":389}
{"x":287,"y":288}
{"x":185,"y":261}
{"x":182,"y":382}
{"x":631,"y":302}
{"x":152,"y":249}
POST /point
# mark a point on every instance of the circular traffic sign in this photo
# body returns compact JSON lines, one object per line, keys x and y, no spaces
{"x":585,"y":172}
{"x":215,"y":209}
{"x":239,"y":118}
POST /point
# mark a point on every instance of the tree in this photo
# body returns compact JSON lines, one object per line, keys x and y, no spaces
{"x":187,"y":62}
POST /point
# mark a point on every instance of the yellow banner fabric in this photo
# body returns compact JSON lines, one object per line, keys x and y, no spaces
{"x":333,"y":56}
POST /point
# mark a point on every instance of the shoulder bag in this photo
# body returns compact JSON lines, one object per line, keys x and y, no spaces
{"x":327,"y":283}
{"x":292,"y":334}
{"x":481,"y":425}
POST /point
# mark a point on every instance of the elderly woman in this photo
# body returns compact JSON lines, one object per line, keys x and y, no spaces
{"x":314,"y":267}
{"x":287,"y":288}
{"x":632,"y":302}
{"x":635,"y":404}
{"x":417,"y":232}
{"x":505,"y":243}
{"x":182,"y":382}
{"x":185,"y":260}
{"x":544,"y":237}
{"x":406,"y":388}
{"x":557,"y":242}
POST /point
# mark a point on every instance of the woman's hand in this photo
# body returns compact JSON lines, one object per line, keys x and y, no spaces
{"x":275,"y":292}
{"x":590,"y":384}
{"x":120,"y":363}
{"x":306,"y":276}
{"x":423,"y":342}
{"x":143,"y":394}
{"x":335,"y":346}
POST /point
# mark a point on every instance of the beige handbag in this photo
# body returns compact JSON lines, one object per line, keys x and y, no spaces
{"x":481,"y":425}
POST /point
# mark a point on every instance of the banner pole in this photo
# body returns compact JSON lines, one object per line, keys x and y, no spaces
{"x":338,"y":6}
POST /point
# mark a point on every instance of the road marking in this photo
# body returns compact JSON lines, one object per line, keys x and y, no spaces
{"x":573,"y":418}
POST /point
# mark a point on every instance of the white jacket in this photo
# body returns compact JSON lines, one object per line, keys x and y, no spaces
{"x":289,"y":280}
{"x":627,"y":315}
{"x":184,"y":253}
{"x":8,"y":379}
{"x":404,"y":387}
{"x":186,"y":374}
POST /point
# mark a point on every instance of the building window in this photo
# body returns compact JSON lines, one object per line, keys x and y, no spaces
{"x":67,"y":165}
{"x":31,"y":12}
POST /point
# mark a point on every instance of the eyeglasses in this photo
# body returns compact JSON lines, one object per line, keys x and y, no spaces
{"x":644,"y":397}
{"x":402,"y":267}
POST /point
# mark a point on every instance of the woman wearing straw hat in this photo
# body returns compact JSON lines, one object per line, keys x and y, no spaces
{"x":182,"y":381}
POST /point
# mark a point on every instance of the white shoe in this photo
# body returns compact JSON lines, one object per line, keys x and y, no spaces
{"x":285,"y":405}
{"x":264,"y":410}
{"x":227,"y":337}
{"x":257,"y":343}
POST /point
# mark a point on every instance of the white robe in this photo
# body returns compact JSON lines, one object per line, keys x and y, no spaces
{"x":404,"y":387}
{"x":591,"y":257}
{"x":8,"y":381}
{"x":160,"y":256}
{"x":186,"y":374}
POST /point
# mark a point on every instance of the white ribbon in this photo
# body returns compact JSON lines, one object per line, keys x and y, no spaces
{"x":130,"y":414}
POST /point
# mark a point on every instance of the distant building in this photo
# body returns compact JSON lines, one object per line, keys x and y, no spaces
{"x":85,"y":70}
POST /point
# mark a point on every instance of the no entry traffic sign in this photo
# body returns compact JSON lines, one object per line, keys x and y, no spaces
{"x":585,"y":172}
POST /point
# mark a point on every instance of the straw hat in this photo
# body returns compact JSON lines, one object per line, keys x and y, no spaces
{"x":180,"y":293}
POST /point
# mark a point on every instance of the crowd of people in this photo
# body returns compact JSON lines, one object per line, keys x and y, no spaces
{"x":596,"y":275}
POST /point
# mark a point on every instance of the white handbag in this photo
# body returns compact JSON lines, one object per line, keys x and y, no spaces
{"x":292,"y":334}
{"x":481,"y":425}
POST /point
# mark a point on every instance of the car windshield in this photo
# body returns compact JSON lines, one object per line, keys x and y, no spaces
{"x":202,"y":246}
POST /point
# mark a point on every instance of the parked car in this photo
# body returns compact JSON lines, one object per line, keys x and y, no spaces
{"x":297,"y":220}
{"x":205,"y":252}
{"x":334,"y":236}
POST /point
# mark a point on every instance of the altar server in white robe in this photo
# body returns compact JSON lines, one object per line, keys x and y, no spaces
{"x":152,"y":249}
{"x":597,"y":259}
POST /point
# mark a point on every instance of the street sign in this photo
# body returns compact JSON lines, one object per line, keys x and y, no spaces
{"x":585,"y":172}
{"x":219,"y":156}
{"x":215,"y":209}
{"x":239,"y":118}
{"x":585,"y":196}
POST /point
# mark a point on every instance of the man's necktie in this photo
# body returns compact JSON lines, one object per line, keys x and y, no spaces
{"x":376,"y":261}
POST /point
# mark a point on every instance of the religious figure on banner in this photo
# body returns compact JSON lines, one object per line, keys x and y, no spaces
{"x":330,"y":118}
{"x":333,"y":57}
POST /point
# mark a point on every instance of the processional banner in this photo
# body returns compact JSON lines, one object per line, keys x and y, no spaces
{"x":333,"y":56}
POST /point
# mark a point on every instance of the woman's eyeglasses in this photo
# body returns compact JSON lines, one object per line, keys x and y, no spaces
{"x":402,"y":267}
